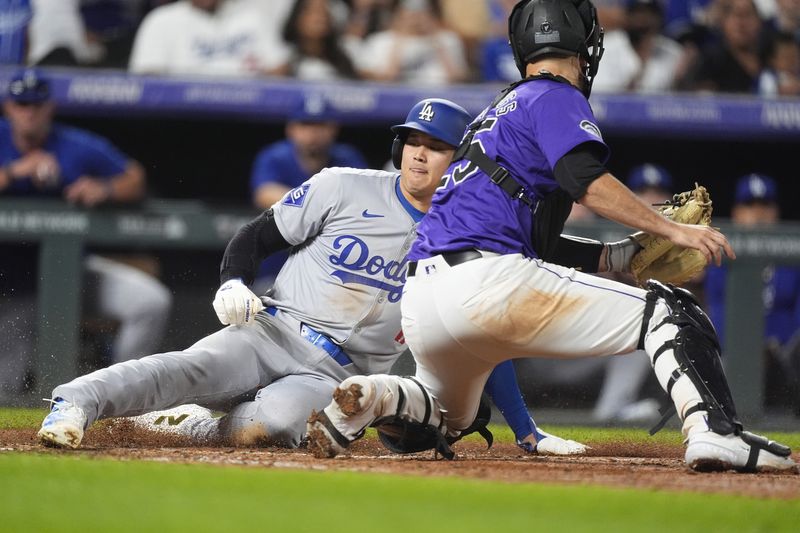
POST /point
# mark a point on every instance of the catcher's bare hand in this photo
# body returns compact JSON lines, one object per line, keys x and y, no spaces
{"x":707,"y":240}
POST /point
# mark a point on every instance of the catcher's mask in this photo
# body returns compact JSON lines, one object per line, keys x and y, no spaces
{"x":437,"y":117}
{"x":537,"y":28}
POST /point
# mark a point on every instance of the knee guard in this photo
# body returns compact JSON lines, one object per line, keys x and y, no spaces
{"x":401,"y":435}
{"x":696,"y":350}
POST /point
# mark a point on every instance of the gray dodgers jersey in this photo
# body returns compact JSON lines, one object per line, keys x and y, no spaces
{"x":351,"y":230}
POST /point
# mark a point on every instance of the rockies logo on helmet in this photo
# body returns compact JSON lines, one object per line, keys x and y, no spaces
{"x":439,"y":118}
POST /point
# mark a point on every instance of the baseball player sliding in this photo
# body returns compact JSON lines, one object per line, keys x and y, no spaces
{"x":333,"y":313}
{"x":490,"y":278}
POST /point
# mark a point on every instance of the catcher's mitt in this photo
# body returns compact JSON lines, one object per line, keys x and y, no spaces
{"x":662,"y":260}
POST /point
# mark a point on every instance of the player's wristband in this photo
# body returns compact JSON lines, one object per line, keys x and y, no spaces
{"x":619,"y":254}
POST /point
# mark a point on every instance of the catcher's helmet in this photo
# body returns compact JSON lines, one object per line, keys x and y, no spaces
{"x":437,"y":117}
{"x":556,"y":27}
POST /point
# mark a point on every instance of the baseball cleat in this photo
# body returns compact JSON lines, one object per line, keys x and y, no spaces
{"x":344,"y":420}
{"x":63,"y":426}
{"x":554,"y":445}
{"x":712,"y":452}
{"x":182,"y":420}
{"x":324,"y":440}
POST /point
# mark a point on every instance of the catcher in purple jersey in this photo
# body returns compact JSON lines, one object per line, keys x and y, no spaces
{"x":491,"y":277}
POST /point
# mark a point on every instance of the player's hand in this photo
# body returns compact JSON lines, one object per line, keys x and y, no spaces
{"x":40,"y":167}
{"x":551,"y":445}
{"x":88,"y":191}
{"x":235,"y":304}
{"x":708,"y":240}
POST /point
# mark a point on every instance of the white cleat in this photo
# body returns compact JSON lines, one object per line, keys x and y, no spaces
{"x":712,"y":452}
{"x":182,"y":420}
{"x":344,"y":420}
{"x":63,"y":427}
{"x":555,"y":445}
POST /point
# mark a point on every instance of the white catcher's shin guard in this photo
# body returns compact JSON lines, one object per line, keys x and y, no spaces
{"x":684,"y":352}
{"x":677,"y":384}
{"x":360,"y":401}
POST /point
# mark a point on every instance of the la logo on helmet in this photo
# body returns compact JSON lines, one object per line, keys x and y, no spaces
{"x":427,"y":112}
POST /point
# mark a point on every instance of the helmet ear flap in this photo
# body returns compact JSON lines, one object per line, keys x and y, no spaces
{"x":397,"y":151}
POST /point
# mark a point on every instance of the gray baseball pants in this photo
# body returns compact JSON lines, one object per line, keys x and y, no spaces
{"x":266,"y":375}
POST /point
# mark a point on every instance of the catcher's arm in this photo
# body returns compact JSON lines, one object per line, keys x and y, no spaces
{"x":592,"y":256}
{"x":610,"y":199}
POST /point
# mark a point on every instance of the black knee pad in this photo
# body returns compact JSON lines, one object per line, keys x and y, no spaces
{"x":684,"y":308}
{"x":403,"y":436}
{"x":697,"y":352}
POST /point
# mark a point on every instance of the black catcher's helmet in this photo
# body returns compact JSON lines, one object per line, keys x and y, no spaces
{"x":556,"y":27}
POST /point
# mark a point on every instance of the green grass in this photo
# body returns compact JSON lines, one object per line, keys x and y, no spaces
{"x":69,"y":493}
{"x":72,"y":492}
{"x":19,"y":418}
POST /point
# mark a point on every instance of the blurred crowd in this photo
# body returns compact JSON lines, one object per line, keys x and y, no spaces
{"x":733,"y":46}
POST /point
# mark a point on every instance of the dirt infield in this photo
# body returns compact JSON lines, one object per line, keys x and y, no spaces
{"x":657,"y":467}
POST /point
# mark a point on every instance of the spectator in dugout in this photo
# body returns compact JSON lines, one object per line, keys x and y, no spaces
{"x":42,"y":158}
{"x":310,"y":145}
{"x":733,"y":64}
{"x":206,"y":37}
{"x":756,"y":204}
{"x":652,"y":183}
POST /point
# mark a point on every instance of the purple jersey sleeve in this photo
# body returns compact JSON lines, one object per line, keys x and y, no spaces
{"x":563,"y":120}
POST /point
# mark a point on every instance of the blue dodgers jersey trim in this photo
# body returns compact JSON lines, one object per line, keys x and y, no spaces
{"x":296,"y":197}
{"x":415,"y":213}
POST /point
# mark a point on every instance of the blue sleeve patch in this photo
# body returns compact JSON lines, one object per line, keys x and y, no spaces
{"x":296,"y":197}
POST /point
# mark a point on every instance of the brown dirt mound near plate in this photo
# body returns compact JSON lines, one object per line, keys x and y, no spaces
{"x":651,"y":466}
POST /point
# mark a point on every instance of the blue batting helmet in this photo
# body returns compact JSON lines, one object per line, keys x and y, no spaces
{"x":439,"y":118}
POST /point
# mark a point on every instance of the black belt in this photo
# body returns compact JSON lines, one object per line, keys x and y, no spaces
{"x":451,"y":258}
